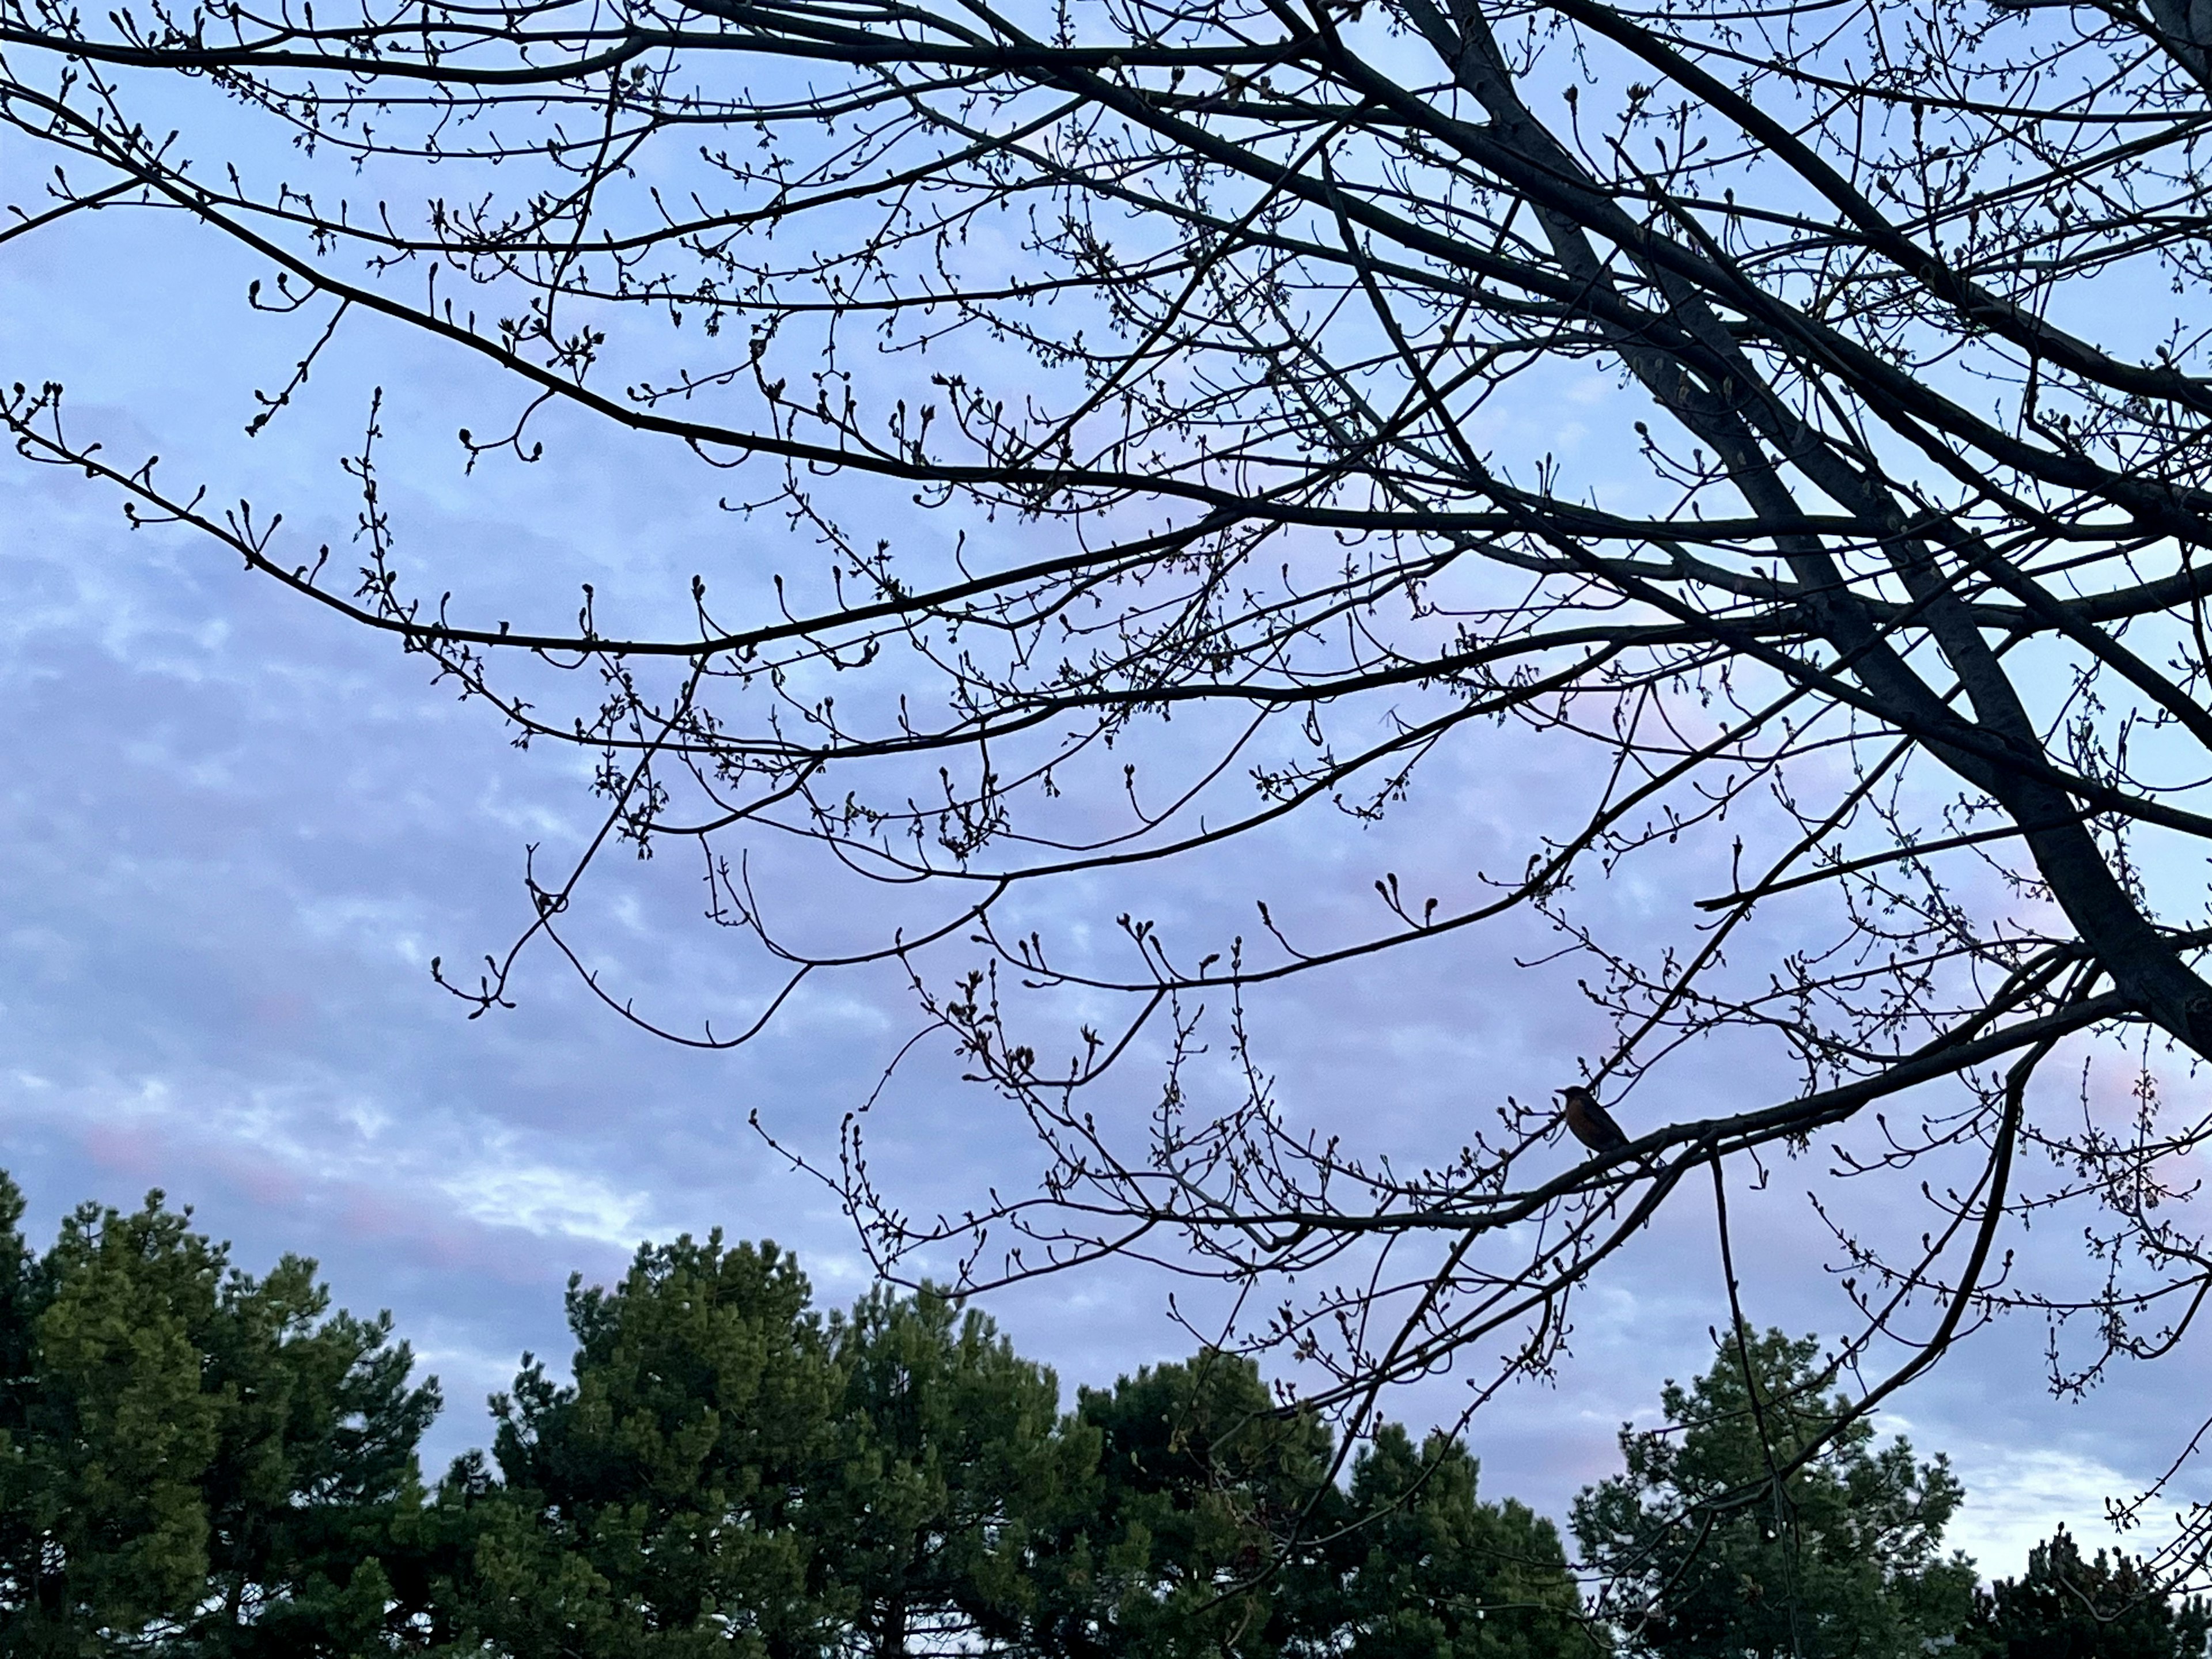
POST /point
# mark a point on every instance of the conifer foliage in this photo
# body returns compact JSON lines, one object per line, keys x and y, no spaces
{"x":2067,"y":1607}
{"x":196,"y":1463}
{"x":731,"y":1472}
{"x":1764,"y":1520}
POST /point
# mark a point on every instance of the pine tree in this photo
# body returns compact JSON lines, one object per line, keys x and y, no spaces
{"x":1708,"y":1552}
{"x":2066,"y":1607}
{"x":952,"y":1460}
{"x":1430,"y":1571}
{"x":196,"y":1463}
{"x":664,"y":1503}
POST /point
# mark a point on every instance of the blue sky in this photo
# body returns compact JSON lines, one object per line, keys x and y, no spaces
{"x":237,"y":830}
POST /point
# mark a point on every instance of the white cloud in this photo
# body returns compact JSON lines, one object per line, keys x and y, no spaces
{"x":543,"y":1199}
{"x":2017,"y":1497}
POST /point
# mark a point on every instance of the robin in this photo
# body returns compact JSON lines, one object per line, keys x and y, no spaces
{"x":1589,"y":1122}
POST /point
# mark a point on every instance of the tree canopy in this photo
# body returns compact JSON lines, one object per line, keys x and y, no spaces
{"x":1434,"y":1573}
{"x":953,"y":1467}
{"x":659,"y":1503}
{"x":195,"y":1463}
{"x":729,"y":1471}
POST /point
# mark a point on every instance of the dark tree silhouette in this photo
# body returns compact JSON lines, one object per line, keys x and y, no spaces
{"x":2066,"y":1607}
{"x":1158,"y":382}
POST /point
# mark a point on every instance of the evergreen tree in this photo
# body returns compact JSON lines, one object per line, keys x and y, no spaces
{"x":1431,"y":1572}
{"x":194,"y":1462}
{"x":314,"y":1498}
{"x":1217,"y":1531}
{"x":730,"y":1473}
{"x":1713,"y":1555}
{"x":1200,"y":1481}
{"x":669,"y":1501}
{"x":2065,"y":1608}
{"x":951,"y":1461}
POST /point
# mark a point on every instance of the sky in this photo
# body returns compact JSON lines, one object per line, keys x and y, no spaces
{"x":235,"y":831}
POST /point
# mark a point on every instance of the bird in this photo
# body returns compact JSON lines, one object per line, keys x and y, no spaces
{"x":1591,"y":1123}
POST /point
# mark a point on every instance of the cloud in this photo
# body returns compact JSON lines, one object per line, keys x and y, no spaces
{"x":2018,"y":1494}
{"x":554,"y":1202}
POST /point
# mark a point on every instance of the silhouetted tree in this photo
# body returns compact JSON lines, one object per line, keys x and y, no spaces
{"x":2066,"y":1607}
{"x":1201,"y":1480}
{"x":1430,"y":1571}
